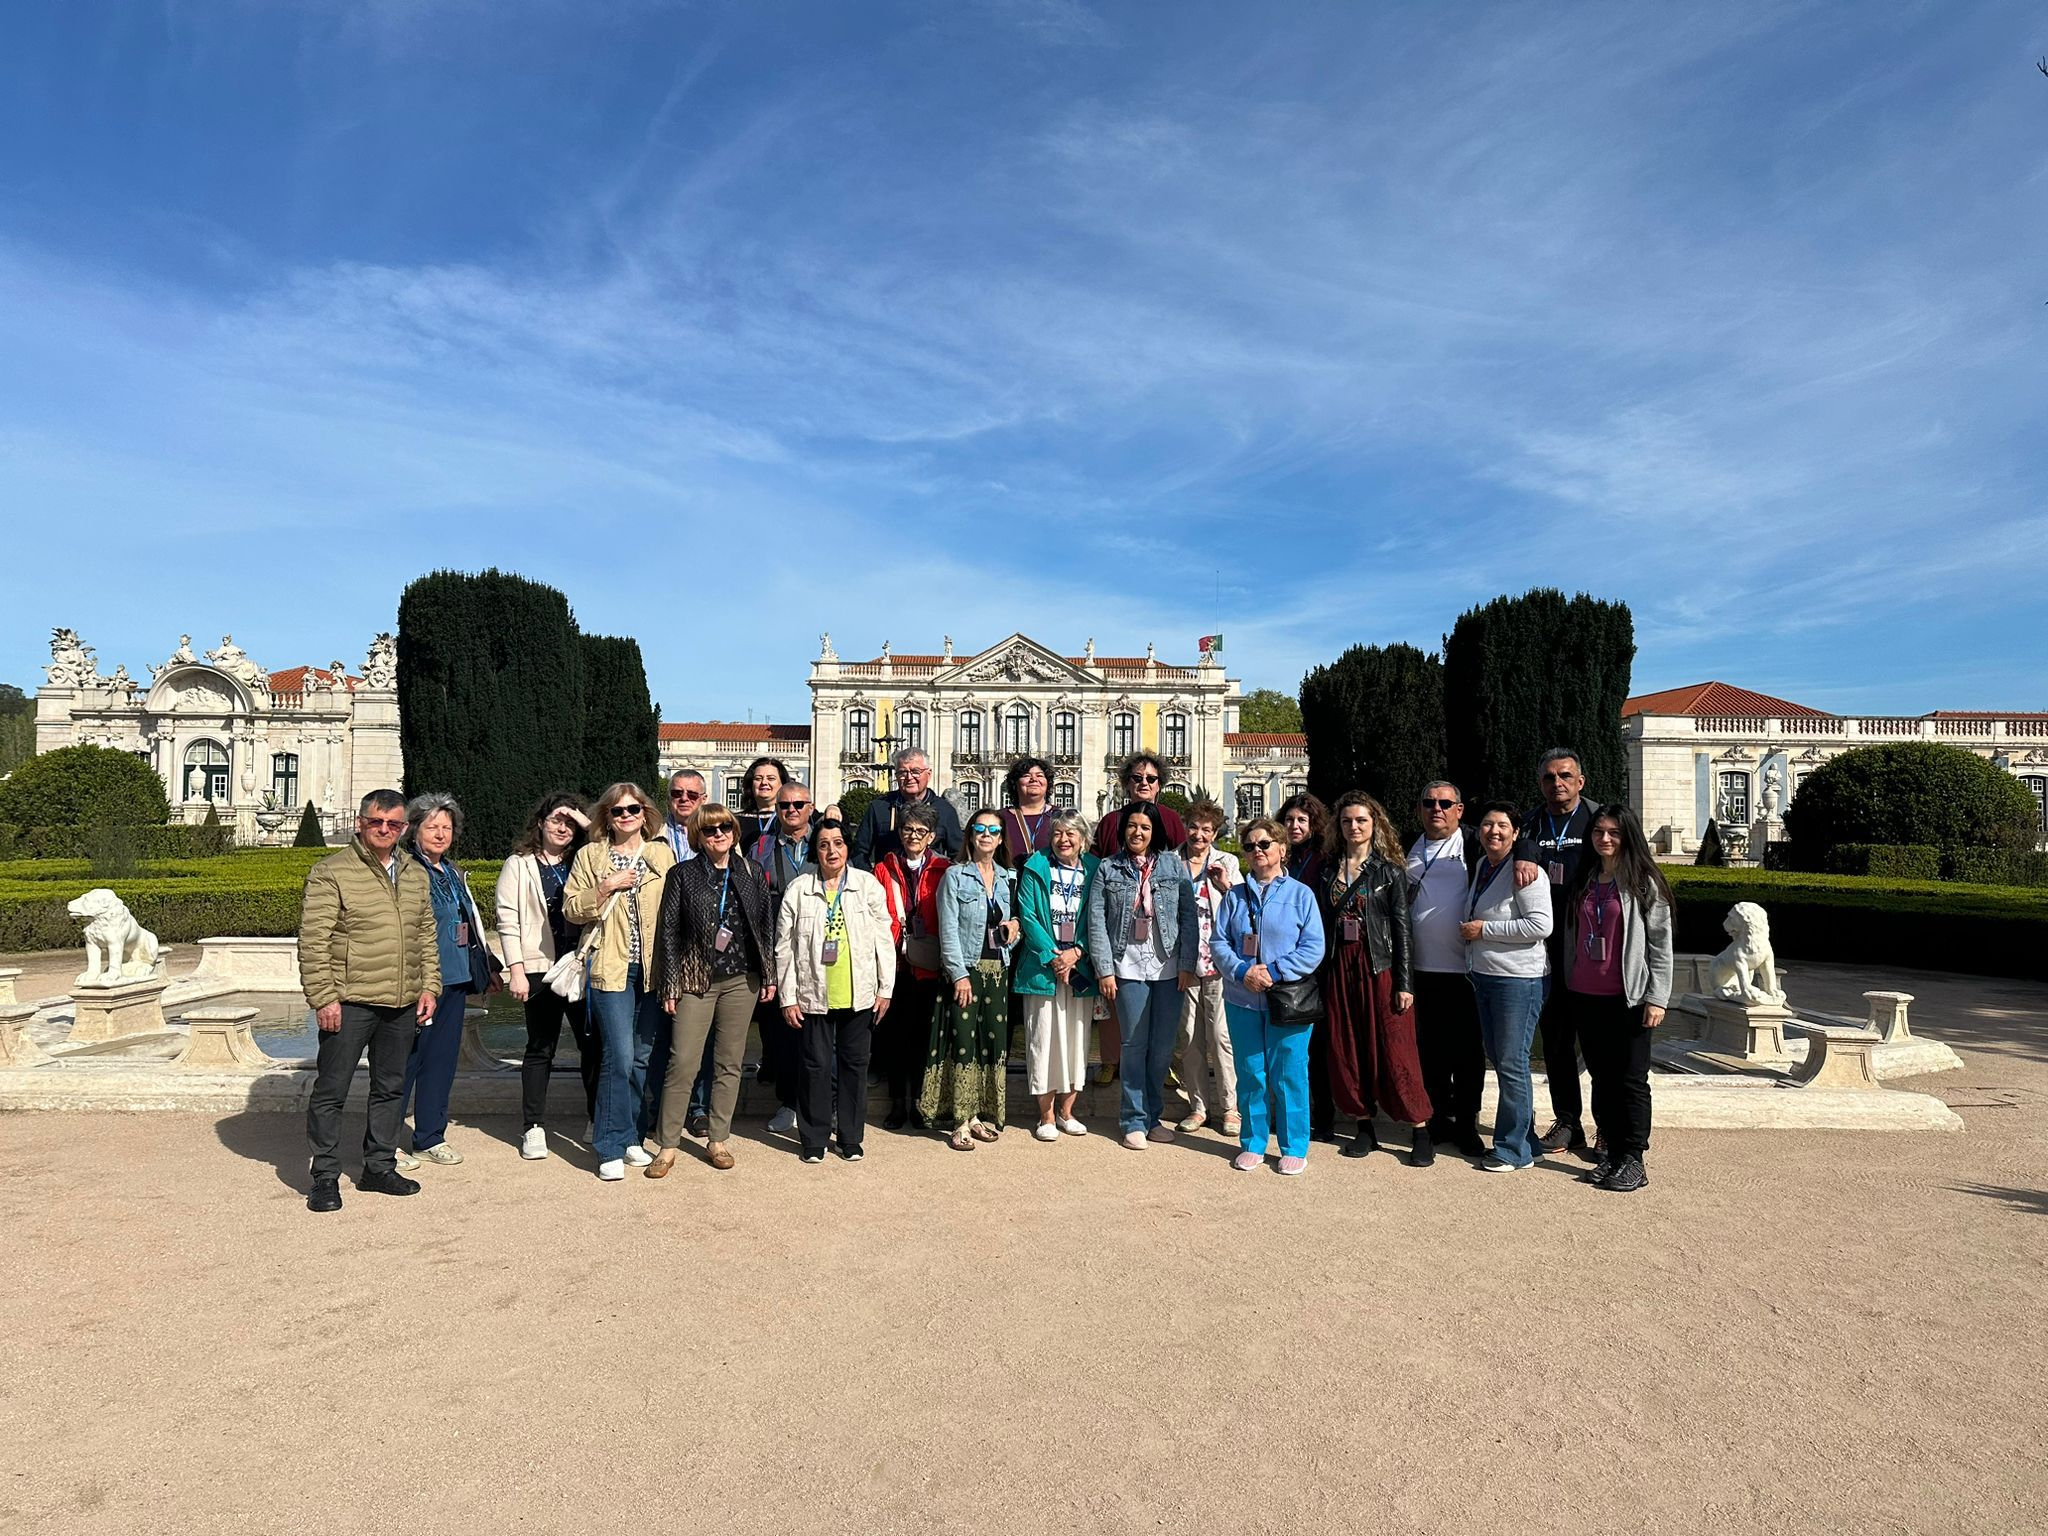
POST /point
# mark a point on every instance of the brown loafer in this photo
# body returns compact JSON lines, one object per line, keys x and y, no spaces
{"x":663,"y":1162}
{"x":719,"y":1158}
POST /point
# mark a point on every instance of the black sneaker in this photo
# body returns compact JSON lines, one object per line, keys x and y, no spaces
{"x":1470,"y":1142}
{"x":1422,"y":1150}
{"x":1599,"y":1173}
{"x":1326,"y":1133}
{"x":326,"y":1195}
{"x":808,"y":1156}
{"x":1629,"y":1176}
{"x":1364,"y":1144}
{"x":1598,"y":1152}
{"x":389,"y":1182}
{"x":897,"y":1118}
{"x":1563,"y":1135}
{"x":852,"y":1157}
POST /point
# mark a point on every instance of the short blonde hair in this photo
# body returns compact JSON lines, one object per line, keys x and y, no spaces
{"x":709,"y":817}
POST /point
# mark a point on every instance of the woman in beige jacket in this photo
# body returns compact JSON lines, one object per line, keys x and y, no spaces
{"x":616,"y":883}
{"x":835,"y":965}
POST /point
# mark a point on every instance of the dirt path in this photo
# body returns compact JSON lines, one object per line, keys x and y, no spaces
{"x":1791,"y":1332}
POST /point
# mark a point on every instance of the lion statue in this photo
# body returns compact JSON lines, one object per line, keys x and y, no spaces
{"x":117,"y":948}
{"x":1746,"y":970}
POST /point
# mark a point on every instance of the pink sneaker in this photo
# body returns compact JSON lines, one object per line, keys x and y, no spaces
{"x":1245,"y":1162}
{"x":1292,"y":1165}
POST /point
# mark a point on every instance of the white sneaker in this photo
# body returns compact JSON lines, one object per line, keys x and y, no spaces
{"x":611,"y":1172}
{"x":1495,"y":1165}
{"x":783,"y":1121}
{"x":1073,"y":1127}
{"x":443,"y":1154}
{"x":534,"y":1144}
{"x":1045,"y":1130}
{"x":1135,"y":1140}
{"x":638,"y":1156}
{"x":403,"y":1160}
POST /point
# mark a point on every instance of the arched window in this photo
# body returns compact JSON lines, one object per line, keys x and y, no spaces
{"x":910,"y":729}
{"x":1063,"y":796}
{"x":206,"y":772}
{"x":2039,"y":785}
{"x":735,"y":792}
{"x":1123,"y":733}
{"x":284,"y":777}
{"x":970,"y":734}
{"x":1066,"y":734}
{"x":1173,"y":734}
{"x":1013,"y":730}
{"x":1733,"y":804}
{"x":860,"y":732}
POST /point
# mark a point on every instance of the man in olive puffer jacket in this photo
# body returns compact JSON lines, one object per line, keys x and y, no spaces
{"x":371,"y":971}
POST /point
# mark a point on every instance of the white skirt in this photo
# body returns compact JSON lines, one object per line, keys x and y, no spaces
{"x":1056,"y":1040}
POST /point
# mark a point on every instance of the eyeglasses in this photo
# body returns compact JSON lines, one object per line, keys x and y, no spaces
{"x":1436,"y":805}
{"x":627,"y":812}
{"x":907,"y":833}
{"x":791,"y":805}
{"x":385,"y":823}
{"x":1260,"y":844}
{"x":1144,"y":778}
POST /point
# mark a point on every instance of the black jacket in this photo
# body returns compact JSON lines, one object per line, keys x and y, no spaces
{"x":1381,"y":904}
{"x":689,"y":923}
{"x":877,"y":837}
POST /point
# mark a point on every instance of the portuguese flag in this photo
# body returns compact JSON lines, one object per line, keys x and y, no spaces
{"x":1210,"y":645}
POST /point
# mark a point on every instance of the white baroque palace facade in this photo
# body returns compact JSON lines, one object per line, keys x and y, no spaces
{"x":1712,"y":752}
{"x":223,"y":733}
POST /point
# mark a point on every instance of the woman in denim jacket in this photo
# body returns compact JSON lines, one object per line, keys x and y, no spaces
{"x":1143,"y":933}
{"x":965,"y":1072}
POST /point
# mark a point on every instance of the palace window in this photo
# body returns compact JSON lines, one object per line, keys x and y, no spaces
{"x":2039,"y":785}
{"x":1013,"y":730}
{"x":1066,"y":734}
{"x":910,"y":730}
{"x":1733,"y":804}
{"x":1123,"y":733}
{"x":1063,"y":796}
{"x":735,"y":792}
{"x":206,"y":772}
{"x":1173,"y":735}
{"x":970,"y":734}
{"x":1251,"y":802}
{"x":284,"y":777}
{"x":970,"y":795}
{"x":860,"y":732}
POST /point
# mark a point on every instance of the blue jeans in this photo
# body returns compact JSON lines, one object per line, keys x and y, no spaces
{"x":1272,"y":1079}
{"x":1148,"y":1017}
{"x":628,"y":1021}
{"x":431,"y":1070}
{"x":1508,"y":1009}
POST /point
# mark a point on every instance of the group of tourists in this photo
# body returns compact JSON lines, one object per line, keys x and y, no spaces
{"x":1330,"y":972}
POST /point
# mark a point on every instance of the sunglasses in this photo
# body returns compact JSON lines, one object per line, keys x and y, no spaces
{"x":1261,"y":844}
{"x":385,"y":823}
{"x":723,"y":829}
{"x":1436,"y":805}
{"x":983,"y":829}
{"x":791,"y":805}
{"x":628,"y":811}
{"x":1144,"y":778}
{"x":686,"y":794}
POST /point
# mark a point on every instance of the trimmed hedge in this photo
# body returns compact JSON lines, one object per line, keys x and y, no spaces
{"x":1978,"y":930}
{"x":174,"y":842}
{"x":1886,"y":861}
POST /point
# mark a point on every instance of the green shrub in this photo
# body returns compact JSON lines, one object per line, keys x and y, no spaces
{"x":82,"y":786}
{"x":1911,"y":861}
{"x":854,"y":802}
{"x":1994,"y":866}
{"x":310,"y":835}
{"x":1912,"y":793}
{"x":173,"y":842}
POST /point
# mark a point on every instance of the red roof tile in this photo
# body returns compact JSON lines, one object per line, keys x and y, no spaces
{"x":1718,"y":699}
{"x":295,"y":679}
{"x":1265,"y":739}
{"x":731,"y":730}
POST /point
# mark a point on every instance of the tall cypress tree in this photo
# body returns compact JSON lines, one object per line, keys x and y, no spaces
{"x":1374,"y":719}
{"x":1525,"y":673}
{"x":621,"y":727}
{"x":490,"y":697}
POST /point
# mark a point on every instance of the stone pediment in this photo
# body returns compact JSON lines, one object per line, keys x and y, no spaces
{"x":197,"y":689}
{"x":1015,"y":660}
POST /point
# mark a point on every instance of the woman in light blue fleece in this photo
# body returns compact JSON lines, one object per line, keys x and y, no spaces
{"x":1267,"y":930}
{"x":1504,"y":929}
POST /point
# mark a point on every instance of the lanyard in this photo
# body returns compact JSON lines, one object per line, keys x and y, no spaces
{"x":1255,"y":900}
{"x":1557,"y":832}
{"x":1479,"y":890}
{"x":678,"y":841}
{"x":832,"y":902}
{"x":1068,"y":890}
{"x":1429,"y":859}
{"x":1600,"y":895}
{"x":1350,"y":890}
{"x":724,"y":890}
{"x":1028,"y":830}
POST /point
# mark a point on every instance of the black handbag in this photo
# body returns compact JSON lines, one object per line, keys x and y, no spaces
{"x":1295,"y":1002}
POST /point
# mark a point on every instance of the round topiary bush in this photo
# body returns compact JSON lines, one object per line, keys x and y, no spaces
{"x":84,"y":786}
{"x":853,"y":804}
{"x":1920,"y":792}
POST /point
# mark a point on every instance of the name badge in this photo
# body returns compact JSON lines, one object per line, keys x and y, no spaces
{"x":462,"y":934}
{"x":1065,"y":930}
{"x":831,"y":951}
{"x":723,"y":940}
{"x":1250,"y":947}
{"x":1557,"y":874}
{"x":1141,"y":928}
{"x":995,"y":935}
{"x":1596,"y":946}
{"x":1350,"y":929}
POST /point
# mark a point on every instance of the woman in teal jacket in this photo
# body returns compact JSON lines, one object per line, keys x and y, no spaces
{"x":1053,"y":976}
{"x":965,"y":1074}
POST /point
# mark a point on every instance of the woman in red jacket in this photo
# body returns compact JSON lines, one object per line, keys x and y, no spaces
{"x":910,"y":881}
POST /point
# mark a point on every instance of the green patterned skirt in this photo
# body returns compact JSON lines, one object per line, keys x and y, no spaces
{"x":966,"y":1076}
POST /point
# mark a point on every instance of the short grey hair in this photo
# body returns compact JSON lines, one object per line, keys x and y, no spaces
{"x":380,"y":800}
{"x":1067,"y":817}
{"x":1456,"y":793}
{"x":1555,"y":753}
{"x":919,"y":815}
{"x":901,"y":757}
{"x":685,"y":773}
{"x":420,"y":807}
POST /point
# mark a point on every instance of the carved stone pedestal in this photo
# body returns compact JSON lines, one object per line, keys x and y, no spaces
{"x":111,"y":1013}
{"x":7,"y":975}
{"x":17,"y":1047}
{"x":250,"y":965}
{"x":474,"y":1055}
{"x":1888,"y":1015}
{"x":1838,"y":1057}
{"x":220,"y":1042}
{"x":1753,"y":1031}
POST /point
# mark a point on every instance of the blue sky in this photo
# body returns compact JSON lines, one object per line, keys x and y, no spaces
{"x":1309,"y":323}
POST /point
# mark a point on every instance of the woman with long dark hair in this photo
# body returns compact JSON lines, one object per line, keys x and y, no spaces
{"x":1617,"y":980}
{"x":759,"y":786}
{"x":1027,"y":819}
{"x":1306,"y":822}
{"x":533,"y":933}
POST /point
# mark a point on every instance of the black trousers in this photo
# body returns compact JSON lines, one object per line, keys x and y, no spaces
{"x":545,"y":1011}
{"x":1447,"y":1038}
{"x":1617,"y":1051}
{"x":387,"y":1035}
{"x":1322,"y":1104}
{"x":780,"y":1053}
{"x":832,"y":1050}
{"x":1560,"y":1031}
{"x":905,"y":1035}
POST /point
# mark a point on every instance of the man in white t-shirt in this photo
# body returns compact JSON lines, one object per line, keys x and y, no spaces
{"x":1204,"y":1034}
{"x":1440,"y":868}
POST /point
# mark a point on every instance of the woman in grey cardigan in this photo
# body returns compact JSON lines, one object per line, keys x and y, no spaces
{"x":1617,"y":980}
{"x":1504,"y":929}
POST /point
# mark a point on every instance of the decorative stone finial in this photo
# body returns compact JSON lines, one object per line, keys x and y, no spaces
{"x":885,"y":650}
{"x":949,"y":647}
{"x":1088,"y":652}
{"x":72,"y":663}
{"x":380,"y":667}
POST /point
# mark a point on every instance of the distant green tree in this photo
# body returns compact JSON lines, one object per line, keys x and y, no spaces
{"x":310,"y":834}
{"x":854,"y":802}
{"x":1374,"y":719}
{"x":17,"y":728}
{"x":621,"y":727}
{"x":84,"y":786}
{"x":1916,"y":793}
{"x":490,"y":697}
{"x":1522,"y":674}
{"x":1268,"y":710}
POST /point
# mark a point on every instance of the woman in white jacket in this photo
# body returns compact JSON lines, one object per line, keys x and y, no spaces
{"x":532,"y":935}
{"x":835,"y":965}
{"x":1504,"y":929}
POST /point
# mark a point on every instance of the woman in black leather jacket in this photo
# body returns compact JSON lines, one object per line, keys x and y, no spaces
{"x":1368,"y":977}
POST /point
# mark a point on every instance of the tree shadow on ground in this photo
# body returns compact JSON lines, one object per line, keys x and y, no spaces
{"x":2033,"y":1200}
